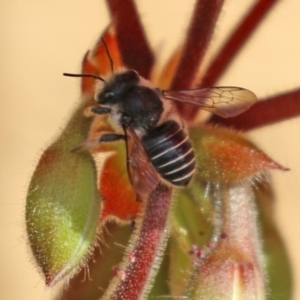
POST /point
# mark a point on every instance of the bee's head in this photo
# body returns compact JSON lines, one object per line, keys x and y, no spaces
{"x":117,"y":87}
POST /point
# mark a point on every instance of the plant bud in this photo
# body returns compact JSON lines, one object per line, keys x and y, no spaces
{"x":63,"y":204}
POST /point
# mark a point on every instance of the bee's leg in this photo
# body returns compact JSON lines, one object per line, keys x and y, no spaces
{"x":95,"y":143}
{"x":99,"y":110}
{"x":93,"y":110}
{"x":111,"y":137}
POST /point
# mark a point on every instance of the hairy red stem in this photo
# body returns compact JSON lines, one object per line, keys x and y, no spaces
{"x":236,"y":42}
{"x":199,"y":35}
{"x":136,"y":52}
{"x":147,"y":252}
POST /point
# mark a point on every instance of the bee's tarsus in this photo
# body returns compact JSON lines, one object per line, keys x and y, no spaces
{"x":99,"y":110}
{"x":111,"y":137}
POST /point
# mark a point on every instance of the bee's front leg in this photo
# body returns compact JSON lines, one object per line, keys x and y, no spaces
{"x":111,"y":137}
{"x":100,"y":110}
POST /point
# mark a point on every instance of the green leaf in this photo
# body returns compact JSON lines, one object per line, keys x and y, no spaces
{"x":63,"y":203}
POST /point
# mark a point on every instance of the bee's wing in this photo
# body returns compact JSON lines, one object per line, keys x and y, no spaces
{"x":227,"y":101}
{"x":143,"y":176}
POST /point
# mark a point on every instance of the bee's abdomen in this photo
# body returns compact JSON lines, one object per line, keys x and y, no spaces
{"x":171,"y":153}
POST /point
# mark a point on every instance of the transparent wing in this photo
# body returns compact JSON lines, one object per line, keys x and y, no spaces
{"x":143,"y":176}
{"x":227,"y":101}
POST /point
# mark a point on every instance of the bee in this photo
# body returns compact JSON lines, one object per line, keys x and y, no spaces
{"x":157,"y":140}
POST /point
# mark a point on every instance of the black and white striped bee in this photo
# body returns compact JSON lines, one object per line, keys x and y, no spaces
{"x":158,"y":144}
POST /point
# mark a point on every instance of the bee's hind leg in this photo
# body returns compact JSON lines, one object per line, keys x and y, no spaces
{"x":95,"y":143}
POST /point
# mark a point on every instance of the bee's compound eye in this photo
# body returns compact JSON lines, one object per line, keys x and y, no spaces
{"x":108,"y":95}
{"x":105,"y":97}
{"x":130,"y":76}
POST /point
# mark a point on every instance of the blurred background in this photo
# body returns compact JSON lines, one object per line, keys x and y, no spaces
{"x":42,"y":39}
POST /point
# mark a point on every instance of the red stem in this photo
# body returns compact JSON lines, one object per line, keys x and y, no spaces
{"x":236,"y":42}
{"x":199,"y":35}
{"x":147,"y":252}
{"x":136,"y":52}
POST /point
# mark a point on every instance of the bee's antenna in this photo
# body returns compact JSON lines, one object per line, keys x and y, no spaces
{"x":84,"y":75}
{"x":109,"y":56}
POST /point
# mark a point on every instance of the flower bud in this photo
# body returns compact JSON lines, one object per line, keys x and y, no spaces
{"x":63,"y":204}
{"x":225,"y":156}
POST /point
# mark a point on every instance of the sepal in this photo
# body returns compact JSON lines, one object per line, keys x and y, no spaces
{"x":63,"y":204}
